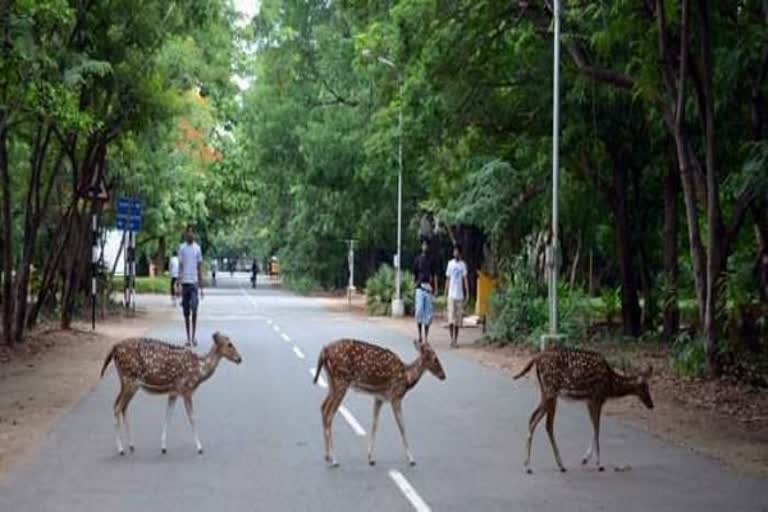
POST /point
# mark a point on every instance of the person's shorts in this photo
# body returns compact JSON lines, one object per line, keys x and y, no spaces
{"x":423,"y":307}
{"x":189,"y":298}
{"x":455,"y":312}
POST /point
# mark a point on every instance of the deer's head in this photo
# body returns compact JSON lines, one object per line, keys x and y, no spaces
{"x":225,"y":348}
{"x":642,"y":390}
{"x":429,"y":359}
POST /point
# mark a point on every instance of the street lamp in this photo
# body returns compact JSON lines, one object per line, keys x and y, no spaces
{"x":553,"y":251}
{"x":398,"y":307}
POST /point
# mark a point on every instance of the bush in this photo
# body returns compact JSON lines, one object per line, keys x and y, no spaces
{"x":380,"y":288}
{"x":519,"y":310}
{"x":688,"y":358}
{"x":302,"y":285}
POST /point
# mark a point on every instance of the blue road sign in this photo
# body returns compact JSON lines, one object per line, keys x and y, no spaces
{"x":129,"y":213}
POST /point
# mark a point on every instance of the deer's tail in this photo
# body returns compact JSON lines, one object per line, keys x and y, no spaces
{"x":320,"y":364}
{"x":527,"y":367}
{"x":108,"y":360}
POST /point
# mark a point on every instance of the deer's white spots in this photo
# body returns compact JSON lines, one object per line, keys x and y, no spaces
{"x":352,"y":421}
{"x":285,"y":337}
{"x":405,"y":487}
{"x":298,"y":352}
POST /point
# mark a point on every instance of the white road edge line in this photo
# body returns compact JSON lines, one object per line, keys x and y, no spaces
{"x":409,"y":491}
{"x":320,"y":381}
{"x":298,"y":352}
{"x":352,"y":421}
{"x":285,"y":337}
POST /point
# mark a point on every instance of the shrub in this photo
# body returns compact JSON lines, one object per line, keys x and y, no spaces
{"x":688,"y":358}
{"x":519,"y":310}
{"x":302,"y":285}
{"x":380,"y":288}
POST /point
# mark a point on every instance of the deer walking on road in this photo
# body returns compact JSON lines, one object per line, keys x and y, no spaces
{"x":163,"y":369}
{"x":579,"y":375}
{"x":375,"y":371}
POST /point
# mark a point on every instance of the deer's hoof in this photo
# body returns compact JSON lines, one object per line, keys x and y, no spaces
{"x":121,"y":452}
{"x":412,"y":462}
{"x":163,"y":451}
{"x":199,"y":451}
{"x":371,"y":462}
{"x":131,"y":449}
{"x":529,"y":471}
{"x":562,"y":469}
{"x":601,"y":468}
{"x":584,"y":461}
{"x":334,"y":464}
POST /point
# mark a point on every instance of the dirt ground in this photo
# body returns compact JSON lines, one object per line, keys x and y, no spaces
{"x":46,"y":376}
{"x":722,"y":419}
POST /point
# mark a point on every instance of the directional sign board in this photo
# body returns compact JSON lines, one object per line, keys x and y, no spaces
{"x":128,"y":214}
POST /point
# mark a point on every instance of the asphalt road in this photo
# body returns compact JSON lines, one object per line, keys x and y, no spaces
{"x":260,"y":425}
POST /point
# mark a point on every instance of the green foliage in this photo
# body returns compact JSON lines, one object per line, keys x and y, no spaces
{"x":380,"y":289}
{"x":610,"y":299}
{"x":688,"y":358}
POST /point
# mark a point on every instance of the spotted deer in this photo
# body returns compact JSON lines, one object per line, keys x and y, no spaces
{"x":584,"y":376}
{"x":375,"y":371}
{"x":163,"y":369}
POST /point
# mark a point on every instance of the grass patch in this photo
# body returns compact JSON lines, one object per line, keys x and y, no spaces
{"x":145,"y":284}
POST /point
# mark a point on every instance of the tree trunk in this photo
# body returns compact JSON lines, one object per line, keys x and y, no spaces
{"x":7,"y":231}
{"x":671,"y":311}
{"x":630,"y":305}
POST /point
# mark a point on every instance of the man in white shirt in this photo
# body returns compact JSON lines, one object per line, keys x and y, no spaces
{"x":456,"y":292}
{"x":173,"y":271}
{"x":190,"y":275}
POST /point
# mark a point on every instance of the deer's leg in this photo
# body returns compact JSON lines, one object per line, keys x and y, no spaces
{"x":130,"y":392}
{"x":595,"y":408}
{"x":397,"y":411}
{"x":533,"y":422}
{"x":330,"y":406}
{"x":191,"y":416}
{"x":168,"y":414}
{"x":118,"y":407}
{"x":376,"y":410}
{"x":551,"y":407}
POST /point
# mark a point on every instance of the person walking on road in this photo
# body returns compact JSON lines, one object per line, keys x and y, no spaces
{"x":214,"y":267}
{"x":424,"y":275}
{"x":190,"y":274}
{"x":254,"y":273}
{"x":456,"y":293}
{"x":173,"y":272}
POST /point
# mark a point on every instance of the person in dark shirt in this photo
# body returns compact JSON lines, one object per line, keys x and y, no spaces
{"x":424,"y":274}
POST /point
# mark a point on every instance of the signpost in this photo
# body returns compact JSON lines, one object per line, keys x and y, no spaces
{"x":129,"y":217}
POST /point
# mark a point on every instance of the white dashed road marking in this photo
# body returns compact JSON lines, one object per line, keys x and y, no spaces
{"x":352,"y":421}
{"x":409,"y":491}
{"x":276,"y":328}
{"x":298,"y":352}
{"x":285,"y":337}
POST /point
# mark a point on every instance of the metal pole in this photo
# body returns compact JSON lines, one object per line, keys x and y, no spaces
{"x":398,"y":310}
{"x":351,"y":262}
{"x":554,"y":247}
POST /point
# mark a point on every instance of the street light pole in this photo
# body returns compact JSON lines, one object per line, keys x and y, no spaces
{"x":553,"y":251}
{"x":398,"y":307}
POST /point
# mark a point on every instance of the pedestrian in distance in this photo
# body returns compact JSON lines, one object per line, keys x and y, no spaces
{"x":254,"y":273}
{"x":424,"y":275}
{"x":190,"y":275}
{"x":456,"y":293}
{"x":214,"y":267}
{"x":173,"y":272}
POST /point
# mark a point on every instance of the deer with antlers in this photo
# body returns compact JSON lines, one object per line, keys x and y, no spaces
{"x":163,"y":369}
{"x":375,"y":371}
{"x":579,"y":375}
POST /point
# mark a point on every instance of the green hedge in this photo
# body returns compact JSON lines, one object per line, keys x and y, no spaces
{"x":380,"y":288}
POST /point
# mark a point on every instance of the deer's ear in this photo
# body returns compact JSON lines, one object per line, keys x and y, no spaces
{"x":217,"y":337}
